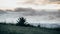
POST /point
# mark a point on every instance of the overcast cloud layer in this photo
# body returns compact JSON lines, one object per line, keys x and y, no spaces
{"x":47,"y":18}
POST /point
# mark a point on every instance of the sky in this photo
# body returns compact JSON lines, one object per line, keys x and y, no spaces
{"x":44,"y":18}
{"x":35,"y":4}
{"x":32,"y":16}
{"x":7,"y":4}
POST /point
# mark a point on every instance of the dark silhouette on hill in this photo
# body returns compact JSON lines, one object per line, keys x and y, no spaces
{"x":21,"y":21}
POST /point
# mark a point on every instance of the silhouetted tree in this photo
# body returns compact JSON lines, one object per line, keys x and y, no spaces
{"x":39,"y":25}
{"x":21,"y":21}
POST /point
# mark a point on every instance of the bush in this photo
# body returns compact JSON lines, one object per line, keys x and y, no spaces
{"x":38,"y":25}
{"x":21,"y":21}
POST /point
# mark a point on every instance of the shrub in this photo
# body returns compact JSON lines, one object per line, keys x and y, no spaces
{"x":21,"y":21}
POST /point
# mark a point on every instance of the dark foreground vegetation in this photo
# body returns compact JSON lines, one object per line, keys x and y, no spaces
{"x":22,"y":28}
{"x":12,"y":29}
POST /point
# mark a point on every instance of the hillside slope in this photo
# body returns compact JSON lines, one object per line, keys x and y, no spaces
{"x":11,"y":29}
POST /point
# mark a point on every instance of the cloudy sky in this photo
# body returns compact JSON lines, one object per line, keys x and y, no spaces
{"x":50,"y":16}
{"x":35,"y":4}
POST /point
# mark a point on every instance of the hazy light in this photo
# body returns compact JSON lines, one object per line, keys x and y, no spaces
{"x":7,"y":4}
{"x":39,"y":4}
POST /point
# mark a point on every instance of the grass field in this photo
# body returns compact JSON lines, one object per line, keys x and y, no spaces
{"x":12,"y":29}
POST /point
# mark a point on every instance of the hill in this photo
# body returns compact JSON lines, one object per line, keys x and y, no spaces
{"x":12,"y":29}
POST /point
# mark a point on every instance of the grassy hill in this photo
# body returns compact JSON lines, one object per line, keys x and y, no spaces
{"x":12,"y":29}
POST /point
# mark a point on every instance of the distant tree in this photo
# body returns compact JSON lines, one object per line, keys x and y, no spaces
{"x":39,"y":25}
{"x":21,"y":21}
